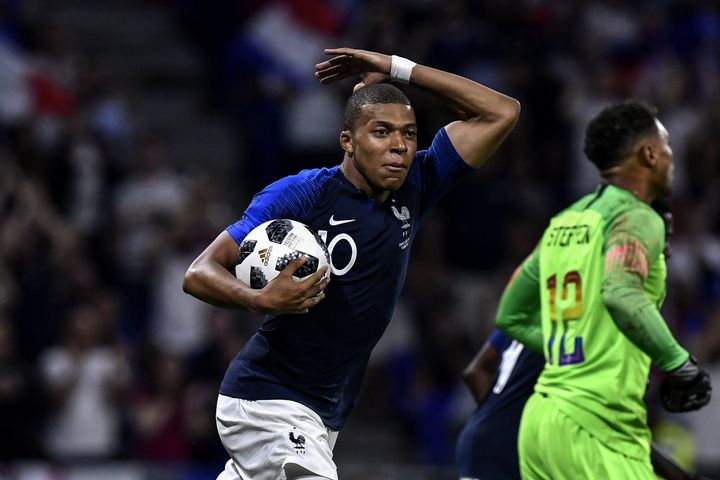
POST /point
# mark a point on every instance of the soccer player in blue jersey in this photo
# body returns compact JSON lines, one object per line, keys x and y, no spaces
{"x":287,"y":394}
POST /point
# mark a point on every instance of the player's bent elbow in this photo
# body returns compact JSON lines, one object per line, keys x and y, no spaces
{"x":190,"y":280}
{"x":508,"y":114}
{"x":503,"y":114}
{"x":503,"y":118}
{"x":513,"y":109}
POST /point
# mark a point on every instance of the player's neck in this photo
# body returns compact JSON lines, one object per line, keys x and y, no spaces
{"x":632,"y":181}
{"x":359,"y":181}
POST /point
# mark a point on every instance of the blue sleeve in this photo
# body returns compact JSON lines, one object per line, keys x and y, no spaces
{"x":499,"y":340}
{"x":436,"y":170}
{"x":290,"y":197}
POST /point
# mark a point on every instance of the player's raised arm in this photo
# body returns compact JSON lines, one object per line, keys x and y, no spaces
{"x":486,"y":116}
{"x":209,"y":278}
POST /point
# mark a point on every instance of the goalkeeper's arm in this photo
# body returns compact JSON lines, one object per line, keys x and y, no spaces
{"x":631,"y":248}
{"x":641,"y":322}
{"x":519,"y":311}
{"x":634,"y":241}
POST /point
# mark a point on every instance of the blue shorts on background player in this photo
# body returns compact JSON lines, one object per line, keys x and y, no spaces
{"x":501,"y":377}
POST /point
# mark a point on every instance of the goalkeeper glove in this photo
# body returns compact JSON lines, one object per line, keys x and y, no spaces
{"x":685,"y":388}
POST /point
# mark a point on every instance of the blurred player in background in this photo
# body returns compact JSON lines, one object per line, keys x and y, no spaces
{"x":501,"y":377}
{"x":598,"y":278}
{"x":290,"y":390}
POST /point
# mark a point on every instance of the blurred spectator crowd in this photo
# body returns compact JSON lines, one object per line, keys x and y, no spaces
{"x":103,"y":357}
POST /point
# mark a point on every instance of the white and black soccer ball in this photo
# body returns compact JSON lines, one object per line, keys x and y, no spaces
{"x":270,"y":246}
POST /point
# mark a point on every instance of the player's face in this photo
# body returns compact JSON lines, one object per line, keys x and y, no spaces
{"x":663,"y":177}
{"x":383,"y":145}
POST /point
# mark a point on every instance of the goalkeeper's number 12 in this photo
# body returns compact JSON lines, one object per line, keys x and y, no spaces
{"x":572,"y":313}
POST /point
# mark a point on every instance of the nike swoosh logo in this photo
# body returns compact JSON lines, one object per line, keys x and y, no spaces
{"x":334,"y":222}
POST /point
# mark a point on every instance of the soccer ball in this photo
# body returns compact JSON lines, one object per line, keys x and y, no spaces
{"x":270,"y":246}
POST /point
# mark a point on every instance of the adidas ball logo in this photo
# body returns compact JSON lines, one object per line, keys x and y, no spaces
{"x":265,"y":255}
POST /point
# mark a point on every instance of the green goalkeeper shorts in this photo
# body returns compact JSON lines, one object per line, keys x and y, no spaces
{"x":554,"y":447}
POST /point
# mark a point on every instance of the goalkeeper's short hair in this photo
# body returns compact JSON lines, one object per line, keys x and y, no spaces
{"x":612,"y":131}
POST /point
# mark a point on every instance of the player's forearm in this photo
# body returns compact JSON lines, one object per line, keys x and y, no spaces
{"x":212,"y":283}
{"x":519,"y":311}
{"x":480,"y":374}
{"x":486,"y":116}
{"x":523,"y":329}
{"x":642,"y":324}
{"x":467,"y":96}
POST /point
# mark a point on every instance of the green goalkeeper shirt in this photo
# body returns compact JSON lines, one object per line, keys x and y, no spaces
{"x":598,"y":279}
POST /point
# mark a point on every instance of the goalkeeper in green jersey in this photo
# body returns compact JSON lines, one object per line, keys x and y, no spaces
{"x":597,"y":277}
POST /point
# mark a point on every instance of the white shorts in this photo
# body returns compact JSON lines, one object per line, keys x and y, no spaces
{"x":273,"y":440}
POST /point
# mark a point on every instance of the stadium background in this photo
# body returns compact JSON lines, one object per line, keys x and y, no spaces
{"x":133,"y":131}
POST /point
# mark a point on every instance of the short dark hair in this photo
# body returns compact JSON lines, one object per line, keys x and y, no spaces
{"x":370,"y":95}
{"x":611,"y":132}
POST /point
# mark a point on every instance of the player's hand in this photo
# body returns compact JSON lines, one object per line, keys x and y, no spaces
{"x":347,"y":62}
{"x":686,"y":388}
{"x":284,"y":294}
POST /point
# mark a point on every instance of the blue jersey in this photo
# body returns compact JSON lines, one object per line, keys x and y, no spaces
{"x":487,"y":446}
{"x":318,"y":359}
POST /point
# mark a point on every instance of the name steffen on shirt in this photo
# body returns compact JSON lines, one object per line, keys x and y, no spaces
{"x":568,"y":235}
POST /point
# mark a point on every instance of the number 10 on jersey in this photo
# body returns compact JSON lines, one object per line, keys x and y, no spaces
{"x":561,"y":316}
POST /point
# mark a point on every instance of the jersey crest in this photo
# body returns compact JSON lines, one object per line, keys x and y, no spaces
{"x":404,"y":216}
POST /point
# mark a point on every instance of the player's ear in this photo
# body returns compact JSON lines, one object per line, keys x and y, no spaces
{"x":647,"y":156}
{"x":346,"y":142}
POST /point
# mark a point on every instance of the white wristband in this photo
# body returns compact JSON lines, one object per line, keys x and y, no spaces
{"x":400,"y":69}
